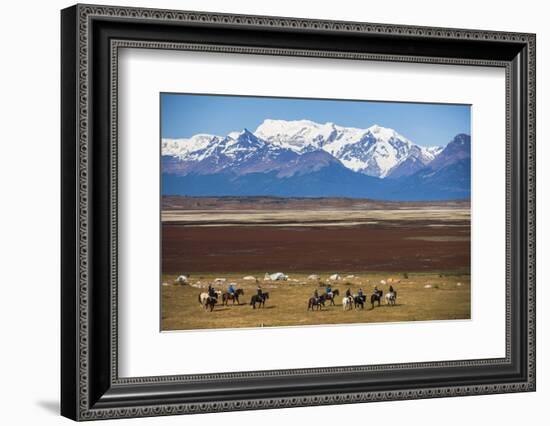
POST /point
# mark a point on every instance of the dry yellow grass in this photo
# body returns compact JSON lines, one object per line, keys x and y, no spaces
{"x":287,"y":305}
{"x":299,"y":217}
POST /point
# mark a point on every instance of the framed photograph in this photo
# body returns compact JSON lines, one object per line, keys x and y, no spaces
{"x":264,"y":212}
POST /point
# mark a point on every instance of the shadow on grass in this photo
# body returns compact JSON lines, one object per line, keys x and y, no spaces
{"x":387,"y":306}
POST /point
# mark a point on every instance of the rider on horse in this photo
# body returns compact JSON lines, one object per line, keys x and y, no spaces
{"x":348,"y":292}
{"x":211,"y":291}
{"x":328,"y":291}
{"x":231,"y":289}
{"x":360,"y":294}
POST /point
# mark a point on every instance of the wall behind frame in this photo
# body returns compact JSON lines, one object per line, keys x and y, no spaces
{"x":29,"y":225}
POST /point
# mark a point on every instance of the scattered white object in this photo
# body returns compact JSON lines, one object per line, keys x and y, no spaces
{"x":458,"y":284}
{"x":335,"y":277}
{"x":313,"y":278}
{"x":249,"y":278}
{"x":350,"y":276}
{"x":277,"y":276}
{"x":182,"y":279}
{"x":165,"y":284}
{"x":220,"y":280}
{"x":383,"y":282}
{"x":428,"y":286}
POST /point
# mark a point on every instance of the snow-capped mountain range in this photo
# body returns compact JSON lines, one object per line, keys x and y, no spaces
{"x":304,"y":158}
{"x":375,"y":151}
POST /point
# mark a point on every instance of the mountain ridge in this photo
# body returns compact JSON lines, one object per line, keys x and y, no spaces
{"x":374,"y":151}
{"x":304,"y":158}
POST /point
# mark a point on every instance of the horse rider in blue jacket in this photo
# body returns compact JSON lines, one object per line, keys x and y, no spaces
{"x":231,"y":289}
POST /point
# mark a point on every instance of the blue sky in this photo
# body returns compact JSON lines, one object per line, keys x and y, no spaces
{"x":184,"y":115}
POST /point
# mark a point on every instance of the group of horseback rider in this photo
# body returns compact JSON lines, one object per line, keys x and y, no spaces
{"x":329,"y":294}
{"x":230,"y":290}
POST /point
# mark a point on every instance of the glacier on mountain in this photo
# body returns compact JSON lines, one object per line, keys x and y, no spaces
{"x":375,"y":151}
{"x":331,"y":161}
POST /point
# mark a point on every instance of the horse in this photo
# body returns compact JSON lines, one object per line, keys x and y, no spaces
{"x":391,"y":297}
{"x":359,"y":301}
{"x":376,"y":297}
{"x":347,"y":303}
{"x":330,"y":296}
{"x":260,"y":300}
{"x":316,"y":302}
{"x":226,"y":297}
{"x":207,"y":301}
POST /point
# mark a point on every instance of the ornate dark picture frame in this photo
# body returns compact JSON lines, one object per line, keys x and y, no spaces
{"x":91,"y":37}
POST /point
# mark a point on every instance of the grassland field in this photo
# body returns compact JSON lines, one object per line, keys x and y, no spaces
{"x":421,"y":297}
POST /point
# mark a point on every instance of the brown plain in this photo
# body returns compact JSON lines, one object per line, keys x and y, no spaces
{"x":225,"y":235}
